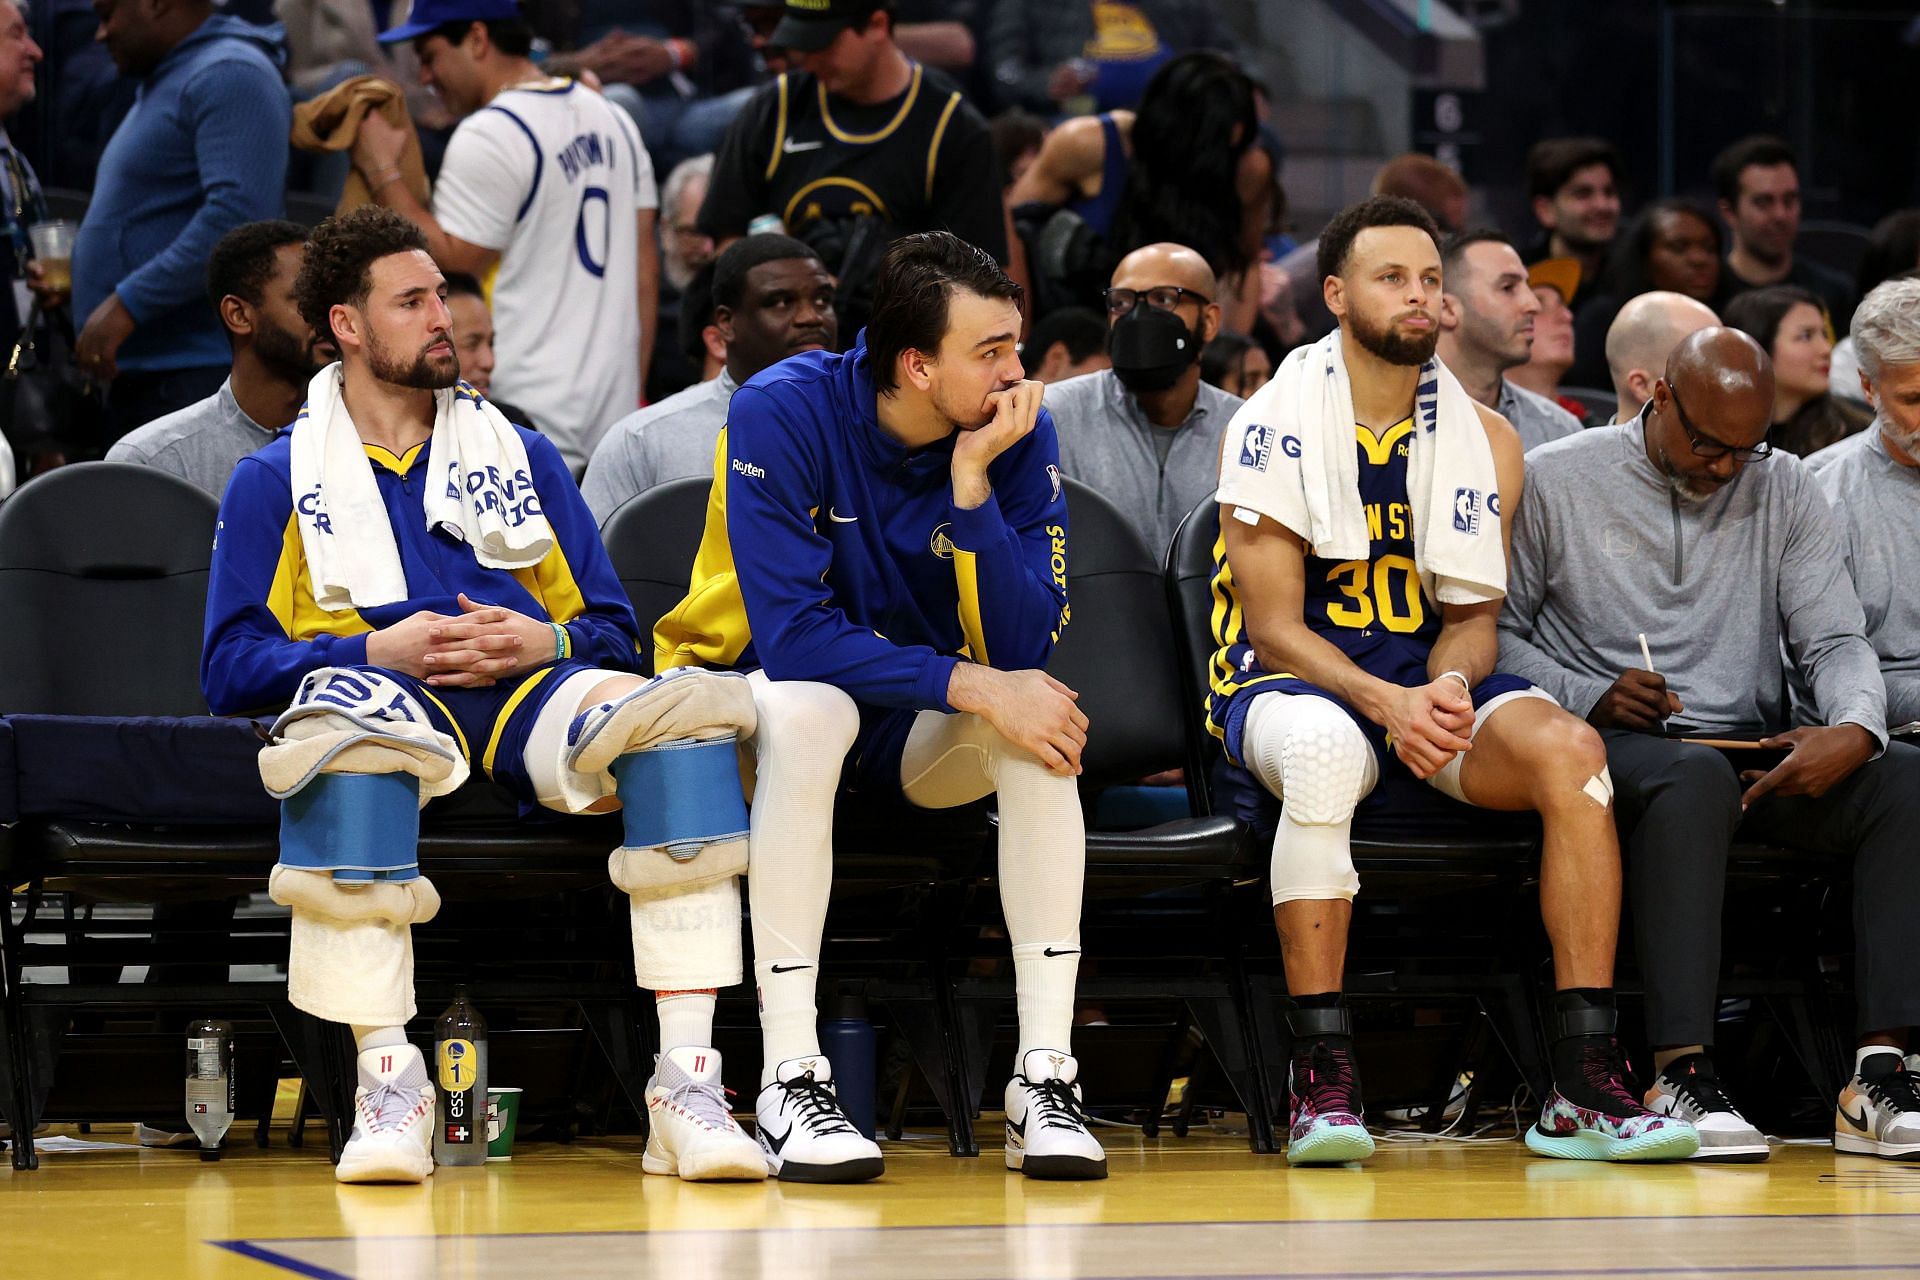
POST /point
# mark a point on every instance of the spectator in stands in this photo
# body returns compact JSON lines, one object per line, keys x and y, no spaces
{"x":1574,"y":186}
{"x":553,"y":194}
{"x":1075,"y":57}
{"x":1758,"y":182}
{"x":771,"y":299}
{"x":204,"y":150}
{"x":922,"y":158}
{"x":1487,"y":315}
{"x":1068,"y":342}
{"x":1679,"y":527}
{"x":681,"y":68}
{"x":1673,"y":245}
{"x":1790,"y":324}
{"x":883,"y":510}
{"x":1873,"y":480}
{"x":700,"y":342}
{"x":684,"y":250}
{"x":275,"y":354}
{"x":1236,"y":364}
{"x":314,"y":605}
{"x":1146,"y":433}
{"x":473,"y":340}
{"x":1553,"y":281}
{"x":1336,"y":674}
{"x":1017,"y":140}
{"x":25,"y":205}
{"x":1893,"y":251}
{"x":1641,"y":341}
{"x":1412,"y":175}
{"x":330,"y":42}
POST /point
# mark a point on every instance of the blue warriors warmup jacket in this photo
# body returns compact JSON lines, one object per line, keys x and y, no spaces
{"x":832,"y":553}
{"x":264,"y":631}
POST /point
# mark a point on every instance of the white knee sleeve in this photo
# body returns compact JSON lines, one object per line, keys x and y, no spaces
{"x":351,"y":958}
{"x":795,"y":757}
{"x":1310,"y":753}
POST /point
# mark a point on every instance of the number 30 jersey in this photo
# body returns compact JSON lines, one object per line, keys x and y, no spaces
{"x":553,"y":176}
{"x":1373,"y":610}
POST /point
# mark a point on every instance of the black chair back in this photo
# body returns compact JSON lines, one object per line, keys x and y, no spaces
{"x":1599,"y":406}
{"x":1117,"y":651}
{"x":103,"y":586}
{"x":652,"y":539}
{"x":1189,"y":595}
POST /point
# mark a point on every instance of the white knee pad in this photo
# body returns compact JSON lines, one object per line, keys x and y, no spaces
{"x":351,"y":955}
{"x":1311,"y":754}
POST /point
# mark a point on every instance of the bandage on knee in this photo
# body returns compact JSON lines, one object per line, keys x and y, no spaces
{"x":1599,"y":788}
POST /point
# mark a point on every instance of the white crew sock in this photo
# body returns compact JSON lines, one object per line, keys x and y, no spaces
{"x":789,"y":1023}
{"x":686,"y":1019}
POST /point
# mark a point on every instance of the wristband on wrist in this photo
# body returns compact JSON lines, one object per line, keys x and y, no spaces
{"x":562,"y":642}
{"x":684,"y":51}
{"x":1457,"y":676}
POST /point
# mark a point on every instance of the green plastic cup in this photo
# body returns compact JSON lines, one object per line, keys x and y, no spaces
{"x":503,"y":1120}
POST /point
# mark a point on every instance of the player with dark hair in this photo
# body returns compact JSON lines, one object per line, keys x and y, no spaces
{"x":1360,"y":570}
{"x":901,"y":582}
{"x":422,"y":582}
{"x":250,"y":281}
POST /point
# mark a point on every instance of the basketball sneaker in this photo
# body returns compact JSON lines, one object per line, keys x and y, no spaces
{"x":804,"y":1132}
{"x":1047,"y":1135}
{"x":1879,"y":1110}
{"x":1690,"y":1089}
{"x":1324,"y":1124}
{"x":690,"y":1128}
{"x":1612,"y":1124}
{"x":392,"y":1137}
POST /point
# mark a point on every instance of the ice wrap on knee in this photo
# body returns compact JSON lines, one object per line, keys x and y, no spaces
{"x":352,"y":761}
{"x":672,"y":748}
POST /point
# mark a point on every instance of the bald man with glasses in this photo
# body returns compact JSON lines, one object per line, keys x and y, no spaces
{"x":1682,"y":526}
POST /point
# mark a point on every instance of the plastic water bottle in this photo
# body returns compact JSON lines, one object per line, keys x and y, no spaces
{"x":460,"y":1072}
{"x":210,"y":1083}
{"x":766,"y":224}
{"x":848,"y":1043}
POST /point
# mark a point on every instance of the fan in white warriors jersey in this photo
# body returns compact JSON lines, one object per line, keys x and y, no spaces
{"x":547,"y":195}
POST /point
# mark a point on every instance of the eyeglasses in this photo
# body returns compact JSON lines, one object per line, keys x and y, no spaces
{"x":1707,"y":446}
{"x":1166,"y":297}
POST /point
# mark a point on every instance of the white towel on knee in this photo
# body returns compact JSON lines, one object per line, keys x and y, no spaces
{"x":479,"y":488}
{"x":1289,"y":455}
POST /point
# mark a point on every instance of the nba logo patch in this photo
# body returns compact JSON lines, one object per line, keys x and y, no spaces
{"x":1256,"y":447}
{"x":1466,"y":510}
{"x":1053,"y":478}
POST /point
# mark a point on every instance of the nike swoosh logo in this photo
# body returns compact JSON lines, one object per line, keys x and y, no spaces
{"x":790,"y":147}
{"x":837,"y":518}
{"x":1070,"y":951}
{"x":778,"y":1144}
{"x":790,"y":968}
{"x":1019,"y":1130}
{"x":1857,"y":1121}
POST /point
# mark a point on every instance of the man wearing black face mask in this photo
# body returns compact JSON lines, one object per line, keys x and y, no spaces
{"x":1146,"y":433}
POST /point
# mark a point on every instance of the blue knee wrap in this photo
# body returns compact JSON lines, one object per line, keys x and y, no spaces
{"x":681,"y":796}
{"x":360,"y":826}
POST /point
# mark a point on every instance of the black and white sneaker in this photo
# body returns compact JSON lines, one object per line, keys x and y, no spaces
{"x":1879,"y":1111}
{"x":805,"y":1134}
{"x":1047,"y":1135}
{"x":1690,"y":1089}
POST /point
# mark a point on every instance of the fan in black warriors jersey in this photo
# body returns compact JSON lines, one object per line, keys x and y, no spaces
{"x":859,"y":146}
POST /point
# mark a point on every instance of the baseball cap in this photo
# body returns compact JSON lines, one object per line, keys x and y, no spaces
{"x":1556,"y":273}
{"x":428,"y":16}
{"x":811,"y":25}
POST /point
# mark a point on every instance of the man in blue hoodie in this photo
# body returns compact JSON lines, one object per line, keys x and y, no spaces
{"x":203,"y":150}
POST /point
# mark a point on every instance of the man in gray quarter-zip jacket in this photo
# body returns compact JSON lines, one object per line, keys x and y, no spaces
{"x":1146,"y":433}
{"x":1668,"y":525}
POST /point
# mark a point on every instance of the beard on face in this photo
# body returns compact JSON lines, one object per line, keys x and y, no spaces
{"x":290,"y":356}
{"x":422,"y":373}
{"x":1390,"y":344}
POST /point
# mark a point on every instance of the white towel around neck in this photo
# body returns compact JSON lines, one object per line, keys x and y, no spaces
{"x":1289,"y":455}
{"x":479,"y":488}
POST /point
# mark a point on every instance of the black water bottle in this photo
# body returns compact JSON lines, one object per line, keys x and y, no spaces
{"x":847,"y":1040}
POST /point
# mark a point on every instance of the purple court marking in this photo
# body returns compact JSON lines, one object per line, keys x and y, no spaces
{"x":247,"y":1249}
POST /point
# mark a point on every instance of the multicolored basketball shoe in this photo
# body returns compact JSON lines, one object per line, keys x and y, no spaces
{"x":1613,"y":1125}
{"x":1878,"y":1113}
{"x":1324,"y":1124}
